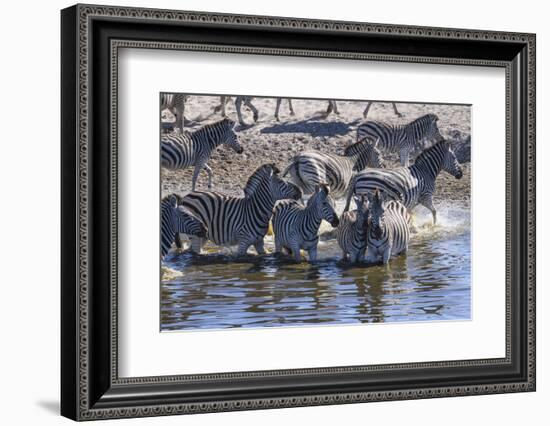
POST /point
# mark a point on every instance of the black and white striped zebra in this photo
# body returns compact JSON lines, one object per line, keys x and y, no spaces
{"x":411,"y":185}
{"x":403,"y":139}
{"x":352,"y":231}
{"x":297,"y":227}
{"x":310,"y":169}
{"x":241,"y":221}
{"x":388,"y":232}
{"x":174,"y":220}
{"x":175,"y":103}
{"x":194,"y":149}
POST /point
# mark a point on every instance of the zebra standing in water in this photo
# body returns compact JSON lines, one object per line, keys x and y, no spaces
{"x":297,"y":227}
{"x":241,"y":221}
{"x":352,"y":231}
{"x":175,"y":103}
{"x":411,"y":185}
{"x":195,"y":149}
{"x":403,"y":139}
{"x":175,"y":220}
{"x":310,"y":169}
{"x":388,"y":233}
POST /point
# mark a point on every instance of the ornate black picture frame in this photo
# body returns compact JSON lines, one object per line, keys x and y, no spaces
{"x":91,"y":36}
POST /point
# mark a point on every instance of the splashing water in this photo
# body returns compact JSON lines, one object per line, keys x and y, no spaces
{"x":218,"y":290}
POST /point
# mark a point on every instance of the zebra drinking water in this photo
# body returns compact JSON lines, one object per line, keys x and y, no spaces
{"x":176,"y":220}
{"x":352,"y":231}
{"x":241,"y":221}
{"x":297,"y":227}
{"x":195,"y":149}
{"x":388,"y":234}
{"x":411,"y":185}
{"x":403,"y":139}
{"x":310,"y":169}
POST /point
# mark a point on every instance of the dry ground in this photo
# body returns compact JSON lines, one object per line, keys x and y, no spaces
{"x":277,"y":142}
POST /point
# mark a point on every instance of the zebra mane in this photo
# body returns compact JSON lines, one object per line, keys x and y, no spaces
{"x":226,"y":123}
{"x":356,"y":148}
{"x":256,"y":178}
{"x":173,"y":199}
{"x":442,"y":145}
{"x":427,"y":117}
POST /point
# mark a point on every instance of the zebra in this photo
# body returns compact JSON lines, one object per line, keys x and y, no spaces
{"x":332,"y":107}
{"x":176,"y":220}
{"x":239,"y":101}
{"x":309,"y":169}
{"x":247,"y":101}
{"x":194,"y":149}
{"x":278,"y":106}
{"x":388,"y":232}
{"x":404,"y":139}
{"x":369,"y":104}
{"x":352,"y":231}
{"x":243,"y":220}
{"x":175,"y":102}
{"x":411,"y":185}
{"x":297,"y":227}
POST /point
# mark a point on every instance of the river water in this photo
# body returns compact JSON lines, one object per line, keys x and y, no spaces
{"x":216,"y":290}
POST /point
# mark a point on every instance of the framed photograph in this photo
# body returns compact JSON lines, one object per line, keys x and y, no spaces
{"x":263,"y":212}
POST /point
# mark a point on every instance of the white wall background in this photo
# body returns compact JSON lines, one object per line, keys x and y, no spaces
{"x":29,"y":224}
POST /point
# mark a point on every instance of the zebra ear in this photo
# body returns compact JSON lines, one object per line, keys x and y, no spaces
{"x":173,"y":201}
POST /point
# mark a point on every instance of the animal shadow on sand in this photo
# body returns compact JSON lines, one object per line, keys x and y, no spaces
{"x":313,"y":126}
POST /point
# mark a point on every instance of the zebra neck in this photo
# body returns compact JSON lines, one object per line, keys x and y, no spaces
{"x":208,"y":137}
{"x":359,"y":160}
{"x":311,"y":220}
{"x":427,"y":167}
{"x":262,"y":204}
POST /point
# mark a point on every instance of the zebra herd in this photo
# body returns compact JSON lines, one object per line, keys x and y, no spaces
{"x":175,"y":103}
{"x":378,"y":228}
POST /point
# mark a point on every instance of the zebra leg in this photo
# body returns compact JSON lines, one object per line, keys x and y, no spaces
{"x":243,"y":248}
{"x":295,"y":250}
{"x":279,"y":100}
{"x":386,"y":255}
{"x":259,"y":246}
{"x":290,"y":109}
{"x":336,"y":108}
{"x":177,"y":239}
{"x":196,"y":244}
{"x":278,"y":245}
{"x":428,"y":203}
{"x":312,"y":254}
{"x":248,"y":103}
{"x":404,"y":157}
{"x":367,"y":108}
{"x":395,"y":110}
{"x":209,"y":171}
{"x":238,"y":106}
{"x":196,"y":173}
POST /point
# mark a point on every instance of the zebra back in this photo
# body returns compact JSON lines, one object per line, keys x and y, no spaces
{"x":179,"y":151}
